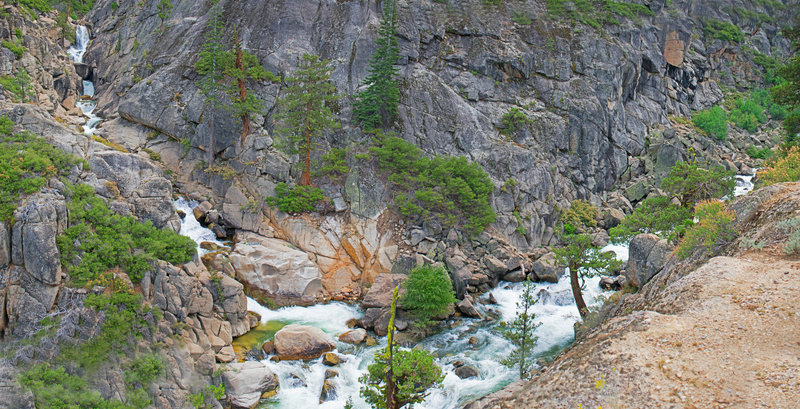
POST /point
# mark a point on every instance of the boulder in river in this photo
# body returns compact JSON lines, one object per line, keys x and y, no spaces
{"x":467,"y":371}
{"x":245,"y":382}
{"x":295,"y":341}
{"x":354,"y":337}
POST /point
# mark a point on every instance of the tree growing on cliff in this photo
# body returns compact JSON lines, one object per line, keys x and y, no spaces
{"x":399,"y":378}
{"x":245,"y":68}
{"x":520,"y":331}
{"x":584,"y":261}
{"x":377,"y":105}
{"x":214,"y":58}
{"x":305,"y":111}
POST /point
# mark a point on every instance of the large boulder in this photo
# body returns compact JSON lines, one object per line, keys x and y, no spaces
{"x":546,"y":269}
{"x":295,"y":341}
{"x":647,"y":255}
{"x":245,"y":382}
{"x":275,"y":268}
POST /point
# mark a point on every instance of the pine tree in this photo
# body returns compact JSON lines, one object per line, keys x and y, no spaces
{"x":23,"y":81}
{"x":245,"y":67}
{"x":402,"y":378}
{"x":211,"y":66}
{"x":520,"y":331}
{"x":305,"y":111}
{"x":584,"y":260}
{"x":377,"y":105}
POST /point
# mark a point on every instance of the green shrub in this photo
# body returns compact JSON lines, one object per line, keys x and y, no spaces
{"x":581,"y":213}
{"x":657,"y":215}
{"x":723,"y":30}
{"x":6,"y":126}
{"x":713,"y":122}
{"x":102,"y":240}
{"x":54,"y":388}
{"x":143,"y":370}
{"x":298,"y":199}
{"x":15,"y":48}
{"x":450,"y":190}
{"x":748,"y":114}
{"x":715,"y":226}
{"x":40,"y":5}
{"x":691,"y":184}
{"x":778,"y":112}
{"x":595,"y":13}
{"x":429,"y":292}
{"x":520,"y":18}
{"x":26,"y":163}
{"x":334,"y":164}
{"x":514,"y":120}
{"x":759,"y":153}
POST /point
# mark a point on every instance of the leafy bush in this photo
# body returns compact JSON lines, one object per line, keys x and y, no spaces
{"x":691,"y":184}
{"x":143,"y":370}
{"x":514,"y":120}
{"x":657,"y":215}
{"x":792,"y":228}
{"x":54,"y":388}
{"x":784,"y":168}
{"x":723,"y":30}
{"x":715,"y":226}
{"x":713,"y":122}
{"x":15,"y":48}
{"x":429,"y":292}
{"x":580,"y":213}
{"x":298,"y":199}
{"x":451,"y":190}
{"x":101,"y":240}
{"x":759,"y":153}
{"x":748,"y":114}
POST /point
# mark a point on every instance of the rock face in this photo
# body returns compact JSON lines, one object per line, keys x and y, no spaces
{"x":592,"y":99}
{"x":245,"y":382}
{"x":274,"y":267}
{"x":294,"y":342}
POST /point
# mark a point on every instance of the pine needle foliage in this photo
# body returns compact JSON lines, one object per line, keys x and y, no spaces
{"x":584,"y":261}
{"x":520,"y":331}
{"x":306,"y":110}
{"x":377,"y":105}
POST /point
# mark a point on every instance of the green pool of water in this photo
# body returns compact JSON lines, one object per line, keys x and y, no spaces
{"x":258,"y":335}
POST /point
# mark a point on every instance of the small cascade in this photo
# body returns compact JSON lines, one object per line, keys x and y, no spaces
{"x":744,"y":184}
{"x":87,"y":103}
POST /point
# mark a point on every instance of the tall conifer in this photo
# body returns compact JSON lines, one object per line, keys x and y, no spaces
{"x":377,"y":105}
{"x":305,"y":111}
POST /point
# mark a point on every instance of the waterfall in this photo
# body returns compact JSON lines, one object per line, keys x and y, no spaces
{"x":87,"y":104}
{"x":77,"y":50}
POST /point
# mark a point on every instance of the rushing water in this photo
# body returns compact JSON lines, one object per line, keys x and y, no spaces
{"x":87,"y":104}
{"x":474,"y":342}
{"x":744,"y":184}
